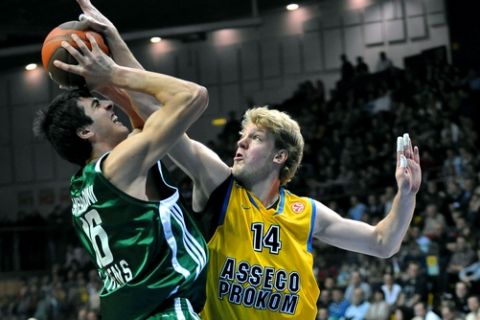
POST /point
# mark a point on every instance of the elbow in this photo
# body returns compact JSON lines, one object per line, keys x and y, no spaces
{"x":196,"y":101}
{"x":386,"y":252}
{"x":385,"y":248}
{"x":201,"y":98}
{"x":191,"y":103}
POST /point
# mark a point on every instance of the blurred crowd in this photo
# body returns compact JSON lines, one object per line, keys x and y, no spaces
{"x":349,"y":165}
{"x":69,"y":291}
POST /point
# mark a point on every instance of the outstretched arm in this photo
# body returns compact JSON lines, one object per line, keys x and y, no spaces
{"x":384,"y":239}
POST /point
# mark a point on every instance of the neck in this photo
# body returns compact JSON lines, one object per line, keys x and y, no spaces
{"x":266,"y":190}
{"x":98,"y":151}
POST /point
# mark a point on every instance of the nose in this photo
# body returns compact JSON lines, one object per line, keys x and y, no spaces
{"x":107,"y":104}
{"x":242,"y":143}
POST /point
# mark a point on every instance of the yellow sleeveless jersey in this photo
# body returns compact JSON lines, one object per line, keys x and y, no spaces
{"x":261,"y":262}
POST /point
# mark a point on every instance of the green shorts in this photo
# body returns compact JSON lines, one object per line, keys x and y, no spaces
{"x":180,"y":309}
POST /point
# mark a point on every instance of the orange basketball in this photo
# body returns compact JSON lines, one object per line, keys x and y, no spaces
{"x":53,"y":50}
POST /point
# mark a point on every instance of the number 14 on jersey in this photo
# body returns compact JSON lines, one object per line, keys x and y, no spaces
{"x":269,"y":240}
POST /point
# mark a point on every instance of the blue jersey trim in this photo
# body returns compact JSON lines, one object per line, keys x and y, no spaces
{"x":312,"y":225}
{"x":252,"y":200}
{"x":281,"y":205}
{"x":221,"y":217}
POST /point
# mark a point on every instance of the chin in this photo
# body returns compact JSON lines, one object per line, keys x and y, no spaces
{"x":242,"y":175}
{"x":237,"y":172}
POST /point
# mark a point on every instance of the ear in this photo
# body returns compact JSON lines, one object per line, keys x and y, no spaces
{"x":85,"y":133}
{"x":280,"y":156}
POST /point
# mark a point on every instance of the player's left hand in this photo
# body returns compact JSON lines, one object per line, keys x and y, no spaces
{"x":94,"y":65}
{"x":408,"y":171}
{"x":95,"y":19}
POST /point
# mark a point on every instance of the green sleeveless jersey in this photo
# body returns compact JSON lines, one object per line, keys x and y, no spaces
{"x":147,"y":253}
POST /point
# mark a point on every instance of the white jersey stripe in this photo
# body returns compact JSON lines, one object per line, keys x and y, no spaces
{"x":191,"y":311}
{"x":191,"y":245}
{"x":178,"y":309}
{"x":165,"y":217}
{"x":189,"y":250}
{"x":198,"y":247}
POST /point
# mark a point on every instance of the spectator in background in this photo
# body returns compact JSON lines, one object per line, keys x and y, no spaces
{"x":454,"y":194}
{"x":387,"y":199}
{"x":414,"y":286}
{"x":422,"y":240}
{"x":460,"y":297}
{"x":357,"y":209}
{"x":432,"y":221}
{"x":433,"y":194}
{"x":379,"y":308}
{"x":358,"y":307}
{"x":82,"y":313}
{"x":384,"y":63}
{"x":471,"y":274}
{"x":356,"y":282}
{"x":462,"y":257}
{"x":422,"y":313}
{"x":347,"y":70}
{"x":325,"y":298}
{"x":339,"y":304}
{"x":374,"y":207}
{"x":473,"y":210}
{"x":403,"y":313}
{"x":361,"y":68}
{"x":322,"y":314}
{"x":449,"y":312}
{"x":473,"y":308}
{"x":390,"y":289}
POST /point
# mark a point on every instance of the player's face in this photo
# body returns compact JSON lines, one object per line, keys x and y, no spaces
{"x":253,"y":160}
{"x":106,"y":125}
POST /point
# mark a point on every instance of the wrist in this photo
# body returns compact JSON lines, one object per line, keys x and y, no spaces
{"x":111,"y":33}
{"x":117,"y":76}
{"x":405,"y":196}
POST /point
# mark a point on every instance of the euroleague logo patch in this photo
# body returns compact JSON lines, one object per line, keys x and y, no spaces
{"x":298,"y":207}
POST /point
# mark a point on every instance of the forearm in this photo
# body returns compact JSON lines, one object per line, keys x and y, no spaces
{"x":120,"y":51}
{"x":143,"y":104}
{"x":124,"y":101}
{"x":392,"y":229}
{"x":160,"y":86}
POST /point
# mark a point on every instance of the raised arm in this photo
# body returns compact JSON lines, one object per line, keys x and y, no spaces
{"x":138,"y":106}
{"x":384,"y":239}
{"x":182,"y":105}
{"x":200,"y":163}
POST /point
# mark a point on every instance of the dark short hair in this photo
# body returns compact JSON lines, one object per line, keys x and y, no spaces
{"x":60,"y":122}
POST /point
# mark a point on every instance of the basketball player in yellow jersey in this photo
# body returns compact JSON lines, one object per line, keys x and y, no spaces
{"x":260,"y":251}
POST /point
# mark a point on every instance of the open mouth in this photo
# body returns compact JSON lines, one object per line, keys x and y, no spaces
{"x":115,"y":119}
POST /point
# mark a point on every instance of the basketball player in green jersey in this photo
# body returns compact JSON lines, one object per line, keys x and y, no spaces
{"x":261,"y":259}
{"x":129,"y":217}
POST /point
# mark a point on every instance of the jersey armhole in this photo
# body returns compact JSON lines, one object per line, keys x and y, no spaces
{"x":312,"y":225}
{"x":216,"y":207}
{"x":226,"y":199}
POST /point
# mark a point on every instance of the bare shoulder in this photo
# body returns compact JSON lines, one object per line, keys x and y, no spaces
{"x":134,"y":132}
{"x":126,"y":162}
{"x":324,"y":216}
